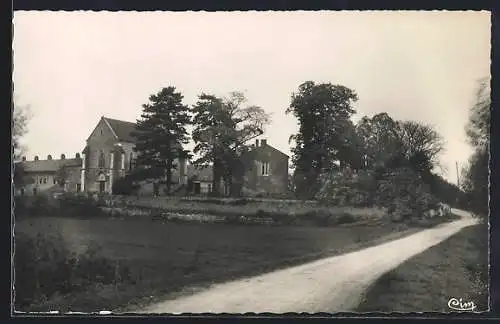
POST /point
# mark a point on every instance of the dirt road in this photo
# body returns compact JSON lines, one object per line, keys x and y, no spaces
{"x":333,"y":284}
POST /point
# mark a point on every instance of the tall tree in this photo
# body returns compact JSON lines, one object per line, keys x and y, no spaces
{"x":422,"y":145}
{"x":20,"y":120}
{"x":160,"y":133}
{"x":323,"y":112}
{"x":210,"y":121}
{"x":223,"y":128}
{"x":476,"y":175}
{"x":381,"y":138}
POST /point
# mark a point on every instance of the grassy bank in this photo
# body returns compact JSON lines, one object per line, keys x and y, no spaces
{"x":427,"y":282}
{"x":168,"y":258}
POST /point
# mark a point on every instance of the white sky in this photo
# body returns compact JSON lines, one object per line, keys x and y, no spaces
{"x":73,"y":67}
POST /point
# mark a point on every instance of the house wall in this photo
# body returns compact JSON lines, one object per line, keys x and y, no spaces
{"x":73,"y":178}
{"x":42,"y":181}
{"x":276,"y":182}
{"x":103,"y":140}
{"x":100,"y":140}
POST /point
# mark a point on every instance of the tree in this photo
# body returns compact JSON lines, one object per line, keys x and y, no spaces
{"x":478,"y":127}
{"x":422,"y":145}
{"x":160,"y":133}
{"x":223,"y":127}
{"x":476,"y":175}
{"x":20,"y":120}
{"x":211,"y":121}
{"x":61,"y":176}
{"x":323,"y":112}
{"x":380,"y":136}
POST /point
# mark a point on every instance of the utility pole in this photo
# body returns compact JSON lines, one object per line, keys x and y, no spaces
{"x":458,"y":177}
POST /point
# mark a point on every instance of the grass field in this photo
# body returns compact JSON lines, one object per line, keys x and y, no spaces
{"x":428,"y":281}
{"x":168,"y":258}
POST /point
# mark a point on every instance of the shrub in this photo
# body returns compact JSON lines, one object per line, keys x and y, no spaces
{"x":125,"y":186}
{"x":80,"y":205}
{"x":404,"y":194}
{"x":346,"y":218}
{"x":347,"y":188}
{"x":45,"y":267}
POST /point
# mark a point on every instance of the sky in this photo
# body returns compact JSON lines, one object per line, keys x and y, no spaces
{"x":71,"y":68}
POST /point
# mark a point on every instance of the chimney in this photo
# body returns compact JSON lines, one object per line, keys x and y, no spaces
{"x":77,"y":155}
{"x":263,"y":142}
{"x":36,"y":157}
{"x":63,"y":156}
{"x":256,"y":143}
{"x":24,"y":158}
{"x":49,"y":157}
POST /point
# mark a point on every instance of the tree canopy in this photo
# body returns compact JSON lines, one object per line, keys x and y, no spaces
{"x":222,"y":129}
{"x":476,"y":174}
{"x":323,"y":112}
{"x":160,"y":133}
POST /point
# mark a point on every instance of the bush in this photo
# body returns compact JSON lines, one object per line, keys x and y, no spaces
{"x":347,"y":188}
{"x":125,"y":186}
{"x":79,"y":206}
{"x":404,"y":194}
{"x":31,"y":206}
{"x":44,"y":267}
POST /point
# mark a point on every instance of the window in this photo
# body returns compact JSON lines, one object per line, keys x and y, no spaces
{"x":78,"y":187}
{"x":100,"y":162}
{"x":264,"y":168}
{"x":209,"y":187}
{"x":44,"y":179}
{"x":54,"y":180}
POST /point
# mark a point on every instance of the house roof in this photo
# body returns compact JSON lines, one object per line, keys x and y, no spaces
{"x":49,"y":165}
{"x":122,"y":129}
{"x":267,"y":146}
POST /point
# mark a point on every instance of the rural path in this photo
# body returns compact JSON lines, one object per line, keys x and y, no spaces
{"x":334,"y":284}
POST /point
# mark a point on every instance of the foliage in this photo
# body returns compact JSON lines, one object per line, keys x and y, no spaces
{"x":62,"y":175}
{"x":476,"y":174}
{"x":20,"y":120}
{"x":323,"y":112}
{"x":125,"y":186}
{"x":160,"y":133}
{"x":405,"y":195}
{"x":222,"y":129}
{"x":211,"y":122}
{"x":78,"y":205}
{"x":19,"y":177}
{"x":45,"y":267}
{"x":476,"y":182}
{"x":478,"y":126}
{"x":69,"y":204}
{"x":346,"y":188}
{"x":381,"y":138}
{"x":422,"y":144}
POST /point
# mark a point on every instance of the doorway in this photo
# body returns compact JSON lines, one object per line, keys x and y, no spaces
{"x":102,"y":186}
{"x":197,"y":188}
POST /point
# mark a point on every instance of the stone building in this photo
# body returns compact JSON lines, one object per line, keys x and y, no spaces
{"x":265,"y":173}
{"x":109,"y":155}
{"x":50,"y":174}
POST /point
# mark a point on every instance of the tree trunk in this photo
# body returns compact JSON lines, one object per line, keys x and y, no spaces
{"x":169,"y":175}
{"x":216,"y":178}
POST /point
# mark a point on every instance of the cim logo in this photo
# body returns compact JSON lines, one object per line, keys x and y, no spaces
{"x":460,"y":305}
